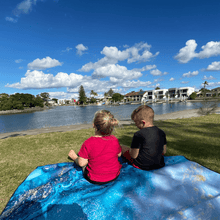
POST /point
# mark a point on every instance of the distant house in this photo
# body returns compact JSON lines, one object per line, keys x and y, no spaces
{"x":148,"y":95}
{"x":160,"y":93}
{"x":132,"y":96}
{"x":216,"y":91}
{"x":185,"y":91}
{"x":173,"y":92}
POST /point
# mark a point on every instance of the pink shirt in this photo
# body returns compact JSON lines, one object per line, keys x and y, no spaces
{"x":102,"y":154}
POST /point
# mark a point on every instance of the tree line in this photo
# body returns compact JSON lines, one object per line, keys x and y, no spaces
{"x":20,"y":101}
{"x":115,"y":97}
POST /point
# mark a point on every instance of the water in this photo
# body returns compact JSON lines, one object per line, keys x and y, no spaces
{"x":72,"y":115}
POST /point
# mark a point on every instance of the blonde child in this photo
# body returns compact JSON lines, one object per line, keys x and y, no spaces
{"x":148,"y":144}
{"x":99,"y":154}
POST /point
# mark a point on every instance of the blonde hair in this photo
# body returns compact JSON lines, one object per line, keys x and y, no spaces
{"x":143,"y":112}
{"x":104,"y":122}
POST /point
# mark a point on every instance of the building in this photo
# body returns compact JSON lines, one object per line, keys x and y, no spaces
{"x":160,"y":93}
{"x":216,"y":91}
{"x":132,"y":96}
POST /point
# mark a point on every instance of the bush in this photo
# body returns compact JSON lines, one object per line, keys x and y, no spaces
{"x":193,"y":96}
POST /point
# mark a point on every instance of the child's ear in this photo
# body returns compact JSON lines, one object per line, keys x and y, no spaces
{"x":143,"y":121}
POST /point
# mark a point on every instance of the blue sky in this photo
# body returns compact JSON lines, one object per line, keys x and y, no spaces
{"x":55,"y":46}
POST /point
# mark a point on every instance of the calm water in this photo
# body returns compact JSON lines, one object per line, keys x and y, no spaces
{"x":69,"y":115}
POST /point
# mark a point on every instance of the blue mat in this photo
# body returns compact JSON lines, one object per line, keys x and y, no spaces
{"x":181,"y":190}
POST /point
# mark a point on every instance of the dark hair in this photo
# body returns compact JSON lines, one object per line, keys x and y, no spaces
{"x":104,"y":122}
{"x":143,"y":112}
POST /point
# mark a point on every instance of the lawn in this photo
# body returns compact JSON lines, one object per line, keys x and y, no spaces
{"x":195,"y":138}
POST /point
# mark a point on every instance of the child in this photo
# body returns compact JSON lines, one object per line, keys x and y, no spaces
{"x":99,"y":154}
{"x":148,"y":144}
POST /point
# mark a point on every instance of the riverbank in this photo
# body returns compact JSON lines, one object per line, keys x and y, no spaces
{"x":27,"y":110}
{"x":173,"y":115}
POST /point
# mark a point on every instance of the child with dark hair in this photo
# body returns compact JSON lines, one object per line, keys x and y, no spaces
{"x":148,"y":144}
{"x":99,"y":154}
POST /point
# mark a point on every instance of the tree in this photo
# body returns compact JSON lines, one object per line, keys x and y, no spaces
{"x":110,"y":92}
{"x":82,"y":95}
{"x":193,"y":95}
{"x":93,"y":93}
{"x":157,"y":88}
{"x":54,"y":99}
{"x":207,"y":106}
{"x":93,"y":100}
{"x":45,"y":95}
{"x":117,"y":97}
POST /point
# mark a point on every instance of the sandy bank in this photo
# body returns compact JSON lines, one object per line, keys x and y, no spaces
{"x":173,"y":115}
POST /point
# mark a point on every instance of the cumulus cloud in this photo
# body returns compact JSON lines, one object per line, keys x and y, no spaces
{"x":117,"y":71}
{"x":208,"y":78}
{"x":135,"y":84}
{"x":212,"y":84}
{"x":137,"y":53}
{"x":145,"y":68}
{"x":11,"y":19}
{"x":214,"y":66}
{"x":39,"y":80}
{"x":81,"y":49}
{"x":67,"y":49}
{"x":185,"y":82}
{"x":190,"y":74}
{"x":24,"y":7}
{"x":18,"y":61}
{"x":171,"y":79}
{"x":157,"y":72}
{"x":44,"y":63}
{"x":187,"y":53}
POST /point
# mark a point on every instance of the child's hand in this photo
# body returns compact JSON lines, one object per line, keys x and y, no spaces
{"x":72,"y":155}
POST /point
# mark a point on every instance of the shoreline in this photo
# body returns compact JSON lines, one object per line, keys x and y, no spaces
{"x":173,"y":115}
{"x":33,"y":109}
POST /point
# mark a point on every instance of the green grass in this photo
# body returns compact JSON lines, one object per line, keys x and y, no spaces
{"x":196,"y":138}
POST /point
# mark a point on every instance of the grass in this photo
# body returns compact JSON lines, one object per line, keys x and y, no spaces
{"x":196,"y":138}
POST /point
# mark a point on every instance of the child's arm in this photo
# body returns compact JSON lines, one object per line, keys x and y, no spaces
{"x":132,"y":151}
{"x":164,"y":149}
{"x":81,"y":161}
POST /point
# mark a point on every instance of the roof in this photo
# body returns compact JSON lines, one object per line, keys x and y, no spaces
{"x":133,"y":93}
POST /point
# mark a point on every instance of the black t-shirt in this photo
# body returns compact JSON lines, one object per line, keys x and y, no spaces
{"x":150,"y":142}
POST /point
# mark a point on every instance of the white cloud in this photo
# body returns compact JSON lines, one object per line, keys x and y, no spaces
{"x":190,"y":74}
{"x":145,"y":68}
{"x":117,"y":71}
{"x":214,"y":66}
{"x":39,"y":80}
{"x":208,"y":78}
{"x":137,"y":53}
{"x":67,"y":49}
{"x":24,"y":7}
{"x":157,"y":72}
{"x":185,"y":82}
{"x":209,"y":50}
{"x":135,"y":84}
{"x":171,"y":79}
{"x":44,"y":63}
{"x":81,"y":49}
{"x":18,"y":61}
{"x":11,"y":19}
{"x":212,"y":84}
{"x":187,"y":53}
{"x":21,"y":67}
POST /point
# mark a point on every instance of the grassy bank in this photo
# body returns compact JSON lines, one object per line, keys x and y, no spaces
{"x":196,"y":138}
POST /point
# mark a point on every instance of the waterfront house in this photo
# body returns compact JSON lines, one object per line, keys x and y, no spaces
{"x":216,"y":91}
{"x":173,"y":93}
{"x":148,"y":95}
{"x":132,"y":96}
{"x":160,"y":93}
{"x":185,"y":92}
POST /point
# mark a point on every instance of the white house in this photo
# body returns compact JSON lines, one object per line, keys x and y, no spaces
{"x":160,"y":93}
{"x":185,"y":91}
{"x":148,"y":95}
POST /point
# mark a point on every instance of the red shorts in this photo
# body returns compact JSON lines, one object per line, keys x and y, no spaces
{"x":128,"y":157}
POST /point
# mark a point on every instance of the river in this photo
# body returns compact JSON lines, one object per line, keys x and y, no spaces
{"x":73,"y":115}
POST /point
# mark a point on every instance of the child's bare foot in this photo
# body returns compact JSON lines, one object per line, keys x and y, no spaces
{"x":72,"y":155}
{"x":125,"y":148}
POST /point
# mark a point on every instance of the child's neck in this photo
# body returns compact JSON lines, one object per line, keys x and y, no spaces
{"x":148,"y":125}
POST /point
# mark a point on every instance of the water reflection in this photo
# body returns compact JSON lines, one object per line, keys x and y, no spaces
{"x":69,"y":115}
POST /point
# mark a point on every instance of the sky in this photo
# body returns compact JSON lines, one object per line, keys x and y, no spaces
{"x":55,"y":46}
